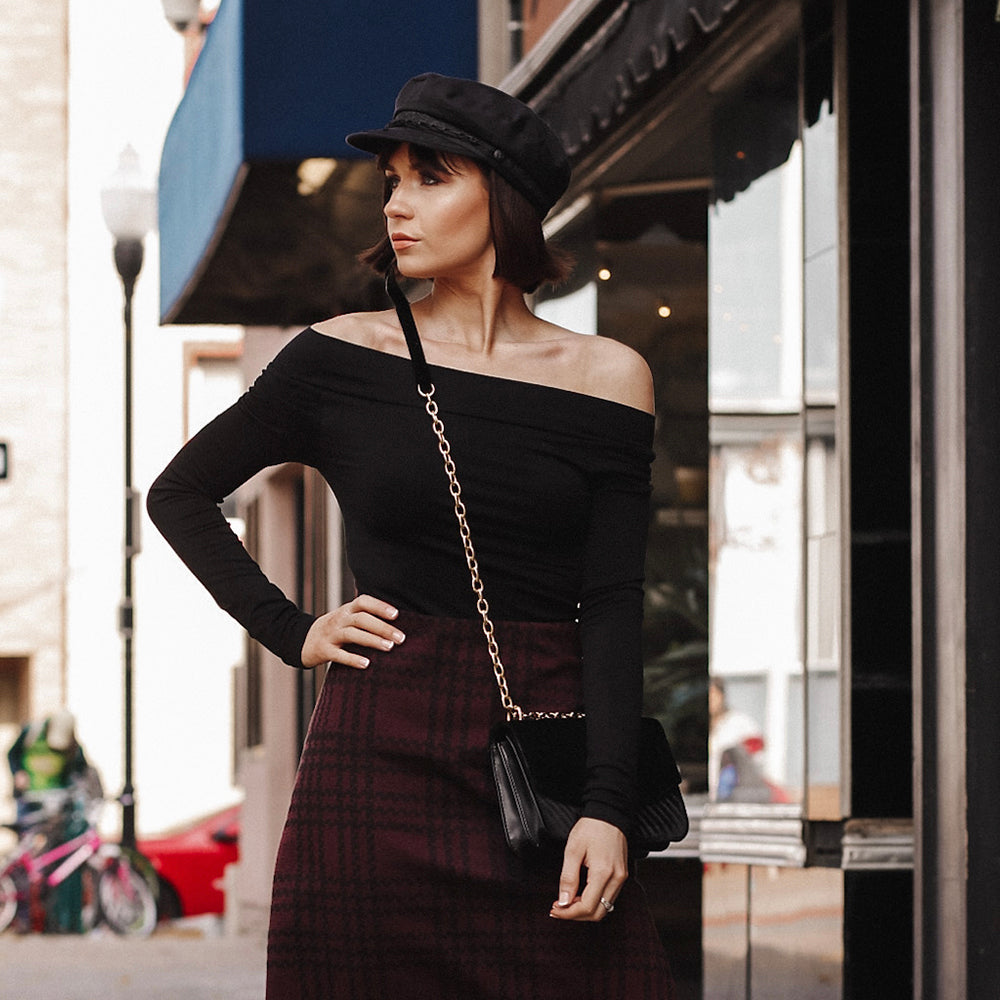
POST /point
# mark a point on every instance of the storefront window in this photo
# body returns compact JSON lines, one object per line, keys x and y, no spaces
{"x":775,"y":483}
{"x":823,"y":576}
{"x":575,"y":310}
{"x":821,"y":263}
{"x":756,"y":587}
{"x":755,"y":256}
{"x":728,"y":285}
{"x":822,"y":741}
{"x":755,"y":294}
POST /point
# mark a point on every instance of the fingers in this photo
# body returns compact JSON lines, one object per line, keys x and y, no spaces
{"x":363,"y":629}
{"x":589,"y":907}
{"x":569,"y":878}
{"x":600,"y":886}
{"x":601,"y":849}
{"x":372,"y":605}
{"x":365,"y":622}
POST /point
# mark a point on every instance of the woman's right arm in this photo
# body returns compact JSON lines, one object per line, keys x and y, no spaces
{"x":274,"y":422}
{"x":184,"y":504}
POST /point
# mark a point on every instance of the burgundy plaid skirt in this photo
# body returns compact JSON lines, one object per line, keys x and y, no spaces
{"x":393,"y":880}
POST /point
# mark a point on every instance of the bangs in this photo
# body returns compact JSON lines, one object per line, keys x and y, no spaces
{"x":426,"y":158}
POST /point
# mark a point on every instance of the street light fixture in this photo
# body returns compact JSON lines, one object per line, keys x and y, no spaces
{"x":181,"y":13}
{"x":129,"y":208}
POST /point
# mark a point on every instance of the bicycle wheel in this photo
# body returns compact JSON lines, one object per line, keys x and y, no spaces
{"x":125,"y":899}
{"x":8,"y":901}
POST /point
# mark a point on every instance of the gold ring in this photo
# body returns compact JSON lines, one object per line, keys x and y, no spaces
{"x":607,"y":906}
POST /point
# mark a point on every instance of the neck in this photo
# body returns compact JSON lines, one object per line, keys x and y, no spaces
{"x":478,"y":315}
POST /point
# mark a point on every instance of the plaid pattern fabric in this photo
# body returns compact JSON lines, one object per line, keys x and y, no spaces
{"x":393,"y":880}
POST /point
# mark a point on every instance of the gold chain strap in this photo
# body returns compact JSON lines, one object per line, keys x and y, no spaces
{"x":513,"y":710}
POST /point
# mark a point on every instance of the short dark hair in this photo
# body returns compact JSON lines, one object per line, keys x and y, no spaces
{"x":523,"y":256}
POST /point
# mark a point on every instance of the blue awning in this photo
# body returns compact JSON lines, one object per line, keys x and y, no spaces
{"x":276,"y":84}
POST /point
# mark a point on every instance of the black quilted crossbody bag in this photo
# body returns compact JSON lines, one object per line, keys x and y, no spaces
{"x":539,"y":758}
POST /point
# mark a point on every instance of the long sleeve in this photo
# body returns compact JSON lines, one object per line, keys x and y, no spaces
{"x":258,"y":431}
{"x":611,"y":637}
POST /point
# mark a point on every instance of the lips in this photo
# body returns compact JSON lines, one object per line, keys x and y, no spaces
{"x":400,"y":241}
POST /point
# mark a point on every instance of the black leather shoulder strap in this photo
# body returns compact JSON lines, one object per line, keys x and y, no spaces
{"x":420,"y":370}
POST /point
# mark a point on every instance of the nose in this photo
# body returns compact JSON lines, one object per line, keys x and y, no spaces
{"x":396,"y":206}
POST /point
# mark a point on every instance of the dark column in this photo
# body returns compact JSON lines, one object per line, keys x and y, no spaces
{"x":878,"y":938}
{"x":981,"y":79}
{"x":956,"y":292}
{"x":873,"y":63}
{"x":877,"y":120}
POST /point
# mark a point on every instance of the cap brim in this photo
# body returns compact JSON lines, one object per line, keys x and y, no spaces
{"x":377,"y":140}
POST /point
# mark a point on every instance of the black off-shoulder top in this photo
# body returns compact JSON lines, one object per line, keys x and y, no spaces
{"x":556,"y":486}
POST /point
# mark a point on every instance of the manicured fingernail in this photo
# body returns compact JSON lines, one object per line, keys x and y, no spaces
{"x":398,"y":636}
{"x":365,"y":661}
{"x":563,"y":899}
{"x":392,"y":612}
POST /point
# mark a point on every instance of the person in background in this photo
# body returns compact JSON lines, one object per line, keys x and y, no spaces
{"x":52,"y":784}
{"x":735,"y":753}
{"x":45,"y":757}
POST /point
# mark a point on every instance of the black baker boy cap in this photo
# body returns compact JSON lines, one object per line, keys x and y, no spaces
{"x":483,"y":123}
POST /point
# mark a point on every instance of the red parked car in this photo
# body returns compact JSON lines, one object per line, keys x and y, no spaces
{"x":190,"y":864}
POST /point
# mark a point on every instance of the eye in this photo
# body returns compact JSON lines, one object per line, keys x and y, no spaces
{"x":430,"y":178}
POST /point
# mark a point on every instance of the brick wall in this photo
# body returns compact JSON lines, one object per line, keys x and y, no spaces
{"x":33,"y":340}
{"x":538,"y":16}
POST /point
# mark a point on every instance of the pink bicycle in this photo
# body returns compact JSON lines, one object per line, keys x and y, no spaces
{"x":114,"y":891}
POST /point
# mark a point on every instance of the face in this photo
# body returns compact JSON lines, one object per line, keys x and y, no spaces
{"x":438,"y":219}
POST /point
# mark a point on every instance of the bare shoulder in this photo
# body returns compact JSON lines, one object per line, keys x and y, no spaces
{"x":614,"y":371}
{"x":377,"y":330}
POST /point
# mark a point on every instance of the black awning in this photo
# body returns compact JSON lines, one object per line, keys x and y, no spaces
{"x":594,"y":88}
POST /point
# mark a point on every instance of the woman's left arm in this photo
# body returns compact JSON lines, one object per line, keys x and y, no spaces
{"x":611,"y":643}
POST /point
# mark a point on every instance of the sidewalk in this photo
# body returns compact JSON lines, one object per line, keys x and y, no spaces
{"x":178,"y":962}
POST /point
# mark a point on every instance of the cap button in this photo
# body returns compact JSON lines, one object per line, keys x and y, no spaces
{"x":497,"y":154}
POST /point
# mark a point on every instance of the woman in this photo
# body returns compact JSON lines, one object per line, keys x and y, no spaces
{"x":393,"y":879}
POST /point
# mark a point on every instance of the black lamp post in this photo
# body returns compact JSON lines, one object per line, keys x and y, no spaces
{"x":129,"y":208}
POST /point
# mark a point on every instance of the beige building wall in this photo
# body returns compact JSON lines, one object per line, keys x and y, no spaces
{"x":266,"y":763}
{"x":33,"y":360}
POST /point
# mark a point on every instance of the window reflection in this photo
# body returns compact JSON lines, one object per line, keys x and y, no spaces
{"x":755,"y":254}
{"x":772,"y":932}
{"x":576,"y":310}
{"x":823,"y":566}
{"x":821,"y":270}
{"x":755,"y":294}
{"x":737,"y":762}
{"x":775,"y":543}
{"x":796,"y":933}
{"x":756,"y":592}
{"x":725,"y":931}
